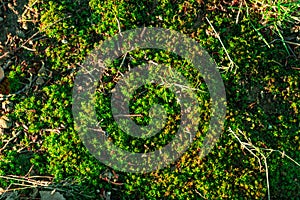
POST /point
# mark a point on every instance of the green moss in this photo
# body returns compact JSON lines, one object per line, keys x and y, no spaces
{"x":262,"y":95}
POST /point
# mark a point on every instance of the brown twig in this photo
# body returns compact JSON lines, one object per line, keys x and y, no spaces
{"x":11,"y":139}
{"x":296,"y":68}
{"x":4,"y":55}
{"x":38,"y":32}
{"x":109,"y":181}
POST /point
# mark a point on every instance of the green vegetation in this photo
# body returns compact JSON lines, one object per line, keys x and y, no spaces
{"x":254,"y":43}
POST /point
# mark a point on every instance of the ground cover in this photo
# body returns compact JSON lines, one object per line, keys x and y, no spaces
{"x":254,"y":43}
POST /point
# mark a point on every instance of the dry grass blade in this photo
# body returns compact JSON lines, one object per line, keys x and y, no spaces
{"x":251,"y":148}
{"x":232,"y":64}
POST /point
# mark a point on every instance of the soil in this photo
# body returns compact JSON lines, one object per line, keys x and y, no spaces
{"x":18,"y":23}
{"x":11,"y":16}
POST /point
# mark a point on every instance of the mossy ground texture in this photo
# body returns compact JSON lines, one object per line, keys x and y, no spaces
{"x":256,"y":47}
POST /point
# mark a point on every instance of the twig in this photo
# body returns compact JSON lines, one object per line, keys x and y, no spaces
{"x":57,"y":130}
{"x":30,"y":9}
{"x":252,"y":147}
{"x":186,"y":87}
{"x":238,"y":15}
{"x":10,"y":6}
{"x":27,"y":48}
{"x":11,"y":139}
{"x":200,"y":194}
{"x":244,"y":145}
{"x":218,"y":37}
{"x":132,"y":115}
{"x":122,"y":63}
{"x":30,"y":182}
{"x":33,"y":183}
{"x":4,"y":97}
{"x":16,"y":189}
{"x":4,"y":55}
{"x":152,"y":62}
{"x":35,"y":34}
{"x":286,"y":41}
{"x":32,"y":4}
{"x":267,"y":175}
{"x":256,"y":149}
{"x":293,"y":43}
{"x":283,"y":155}
{"x":30,"y":170}
{"x":109,"y":181}
{"x":31,"y":80}
{"x":27,"y":20}
{"x":44,"y":177}
{"x":119,"y":26}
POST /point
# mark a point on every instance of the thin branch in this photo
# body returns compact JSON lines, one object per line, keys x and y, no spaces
{"x":109,"y":181}
{"x":130,"y":115}
{"x":17,"y":189}
{"x":122,"y":63}
{"x":57,"y":130}
{"x":286,"y":41}
{"x":200,"y":194}
{"x":119,"y":26}
{"x":267,"y":176}
{"x":283,"y":155}
{"x":218,"y":37}
{"x":26,"y":180}
{"x":27,"y":48}
{"x":35,"y":34}
{"x":11,"y":139}
{"x":239,"y":12}
{"x":259,"y":150}
{"x":31,"y":183}
{"x":4,"y":55}
{"x":244,"y":145}
{"x":256,"y":149}
{"x":4,"y":97}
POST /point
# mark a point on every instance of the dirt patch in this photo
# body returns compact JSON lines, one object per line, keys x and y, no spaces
{"x":18,"y":43}
{"x":11,"y":18}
